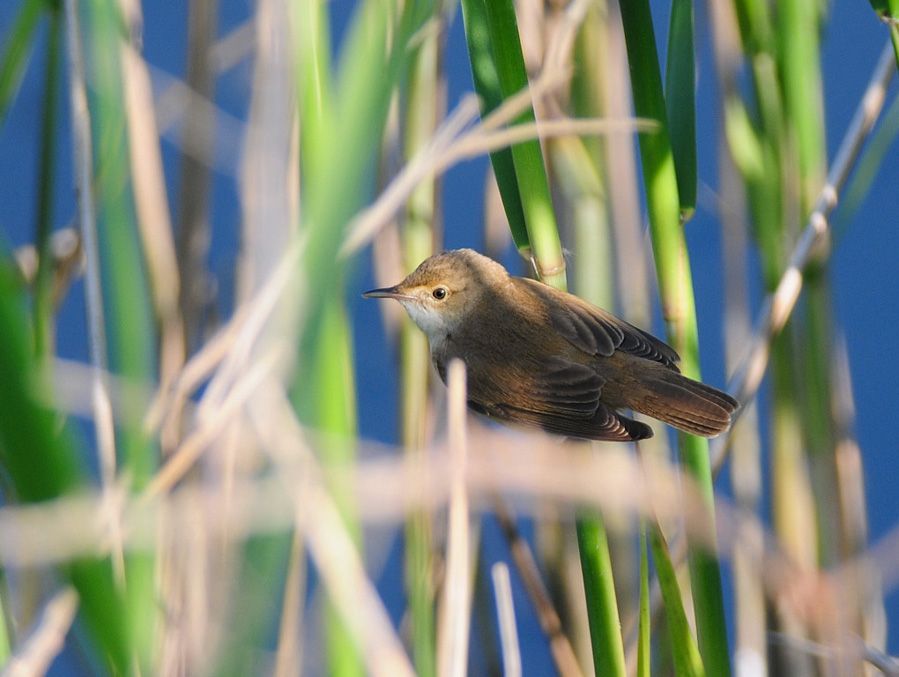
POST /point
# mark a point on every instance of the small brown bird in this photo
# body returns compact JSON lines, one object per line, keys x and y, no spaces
{"x":539,"y":356}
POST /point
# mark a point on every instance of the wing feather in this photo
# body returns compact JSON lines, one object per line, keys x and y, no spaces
{"x":596,"y":331}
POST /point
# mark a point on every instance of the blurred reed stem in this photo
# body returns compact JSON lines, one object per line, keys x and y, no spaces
{"x":543,"y":235}
{"x":527,"y":157}
{"x":194,"y":234}
{"x":586,"y":179}
{"x":342,"y":119}
{"x":27,"y":424}
{"x":43,"y":283}
{"x":131,"y":329}
{"x":676,"y":289}
{"x":577,"y":175}
{"x":644,"y":621}
{"x":751,"y":643}
{"x":420,"y":232}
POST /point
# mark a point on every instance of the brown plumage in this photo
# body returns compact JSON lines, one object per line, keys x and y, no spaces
{"x":539,"y":356}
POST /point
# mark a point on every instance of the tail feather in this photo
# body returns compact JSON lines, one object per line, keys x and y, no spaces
{"x":686,"y":404}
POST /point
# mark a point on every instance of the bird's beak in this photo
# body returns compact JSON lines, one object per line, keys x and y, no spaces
{"x":386,"y":293}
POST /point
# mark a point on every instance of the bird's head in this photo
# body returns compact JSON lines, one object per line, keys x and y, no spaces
{"x":443,"y":290}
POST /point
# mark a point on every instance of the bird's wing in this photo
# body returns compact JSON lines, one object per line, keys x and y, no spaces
{"x":596,"y":331}
{"x":558,"y":395}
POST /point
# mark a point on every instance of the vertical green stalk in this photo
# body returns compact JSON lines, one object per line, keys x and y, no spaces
{"x":543,"y":236}
{"x":577,"y":174}
{"x":599,"y":588}
{"x":799,"y":26}
{"x":676,"y":288}
{"x":782,"y":166}
{"x":129,"y":318}
{"x":803,"y":105}
{"x":527,"y":157}
{"x":419,"y":234}
{"x":342,"y":119}
{"x":644,"y":647}
{"x":43,"y":284}
{"x":335,"y":415}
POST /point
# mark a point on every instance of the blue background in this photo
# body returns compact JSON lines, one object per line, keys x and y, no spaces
{"x":864,"y":277}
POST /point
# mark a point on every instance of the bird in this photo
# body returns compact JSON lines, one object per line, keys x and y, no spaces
{"x":541,"y":357}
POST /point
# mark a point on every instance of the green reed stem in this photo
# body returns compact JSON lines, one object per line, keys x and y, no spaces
{"x":43,"y":283}
{"x":676,"y":288}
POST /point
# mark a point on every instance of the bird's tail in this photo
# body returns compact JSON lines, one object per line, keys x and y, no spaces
{"x":686,"y":404}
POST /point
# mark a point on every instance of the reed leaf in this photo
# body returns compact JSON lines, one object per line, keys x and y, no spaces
{"x":680,"y":77}
{"x":17,"y":44}
{"x":26,"y":425}
{"x":486,"y":84}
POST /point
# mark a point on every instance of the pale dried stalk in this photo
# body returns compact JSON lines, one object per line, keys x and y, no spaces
{"x":505,"y":612}
{"x":211,"y":427}
{"x":264,"y":174}
{"x":175,"y":99}
{"x":534,"y":467}
{"x":231,"y":350}
{"x":330,"y":546}
{"x":152,"y":206}
{"x":868,"y":598}
{"x":751,"y":650}
{"x":444,"y":153}
{"x":48,"y":638}
{"x":83,"y":157}
{"x":455,"y":607}
{"x":559,"y":644}
{"x":289,"y":653}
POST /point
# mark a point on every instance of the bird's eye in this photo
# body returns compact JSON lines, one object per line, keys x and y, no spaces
{"x":439,"y":293}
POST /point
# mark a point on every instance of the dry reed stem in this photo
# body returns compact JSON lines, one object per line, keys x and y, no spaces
{"x":47,"y":640}
{"x":194,"y":372}
{"x":779,"y":305}
{"x":633,"y":250}
{"x":267,"y":158}
{"x":445,"y":151}
{"x":210,"y":427}
{"x":750,"y":650}
{"x":83,"y":158}
{"x":233,"y":47}
{"x":330,"y":546}
{"x":853,"y":513}
{"x":152,"y":207}
{"x":612,"y":482}
{"x":289,"y":653}
{"x":173,"y":103}
{"x":560,"y":646}
{"x":455,"y":606}
{"x":505,"y":613}
{"x":231,"y":350}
